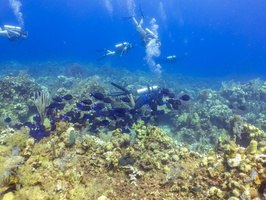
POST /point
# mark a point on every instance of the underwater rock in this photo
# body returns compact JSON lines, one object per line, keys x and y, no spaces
{"x":102,"y":198}
{"x":215,"y":192}
{"x":9,"y":196}
{"x":234,"y":162}
{"x":252,"y":148}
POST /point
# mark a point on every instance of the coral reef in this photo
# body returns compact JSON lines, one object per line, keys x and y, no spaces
{"x":16,"y":94}
{"x":213,"y":147}
{"x":71,"y":165}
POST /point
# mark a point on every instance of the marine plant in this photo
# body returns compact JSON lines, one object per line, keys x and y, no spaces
{"x":42,"y":100}
{"x":7,"y":165}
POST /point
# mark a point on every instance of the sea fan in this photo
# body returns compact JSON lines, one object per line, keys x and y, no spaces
{"x":8,"y":165}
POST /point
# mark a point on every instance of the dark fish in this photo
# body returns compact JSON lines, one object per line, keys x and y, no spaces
{"x":38,"y":134}
{"x":68,"y":97}
{"x":178,"y":102}
{"x":53,"y":105}
{"x":49,"y":111}
{"x":79,"y":105}
{"x":125,"y":130}
{"x":111,"y":127}
{"x":168,"y":105}
{"x":70,"y":113}
{"x":111,"y":117}
{"x":91,"y":117}
{"x":160,"y":112}
{"x":81,"y":121}
{"x":18,"y":126}
{"x":60,"y":106}
{"x":97,"y":113}
{"x":242,"y":107}
{"x":175,"y":106}
{"x":133,"y":111}
{"x":104,"y":113}
{"x":93,"y":129}
{"x":7,"y":120}
{"x":86,"y":116}
{"x":165,"y":91}
{"x":160,"y":102}
{"x":42,"y":127}
{"x":160,"y":95}
{"x":97,"y":95}
{"x":86,"y":101}
{"x":153,"y":112}
{"x":230,"y":106}
{"x":196,"y":189}
{"x":125,"y":99}
{"x":107,"y":100}
{"x":105,"y":122}
{"x":120,"y":110}
{"x":58,"y":99}
{"x":124,"y":123}
{"x":37,"y":119}
{"x":96,"y":122}
{"x":145,"y":119}
{"x":184,"y":97}
{"x":171,"y":101}
{"x":127,"y":118}
{"x":135,"y":117}
{"x":74,"y":120}
{"x":85,"y":108}
{"x":53,"y":127}
{"x":171,"y":95}
{"x":77,"y":115}
{"x":153,"y":106}
{"x":98,"y":106}
{"x":118,"y":124}
{"x":156,"y":120}
{"x":30,"y":125}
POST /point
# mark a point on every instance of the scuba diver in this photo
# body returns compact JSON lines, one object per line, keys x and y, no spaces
{"x":171,"y":59}
{"x":13,"y":33}
{"x":150,"y":95}
{"x":121,"y":49}
{"x":146,"y":35}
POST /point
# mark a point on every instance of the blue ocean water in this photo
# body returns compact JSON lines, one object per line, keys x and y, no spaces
{"x":217,"y":38}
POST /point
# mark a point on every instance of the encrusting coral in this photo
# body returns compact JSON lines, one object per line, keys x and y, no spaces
{"x":152,"y":166}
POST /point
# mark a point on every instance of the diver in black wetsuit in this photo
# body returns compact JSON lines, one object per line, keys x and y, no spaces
{"x":13,"y":33}
{"x":171,"y":59}
{"x":147,"y":36}
{"x":150,"y":95}
{"x":121,"y":49}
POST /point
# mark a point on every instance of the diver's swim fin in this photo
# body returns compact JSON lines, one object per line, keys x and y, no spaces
{"x":121,"y":88}
{"x":141,"y":12}
{"x":116,"y":94}
{"x":125,"y":18}
{"x":101,"y":58}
